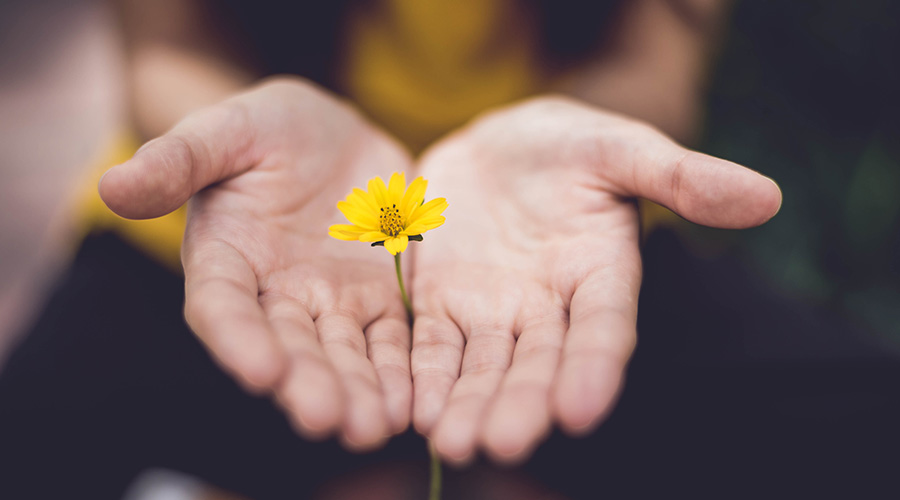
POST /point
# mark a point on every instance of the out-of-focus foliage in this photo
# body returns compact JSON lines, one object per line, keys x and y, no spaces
{"x":807,"y":93}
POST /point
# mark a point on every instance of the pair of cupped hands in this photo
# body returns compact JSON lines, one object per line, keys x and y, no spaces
{"x":525,"y":300}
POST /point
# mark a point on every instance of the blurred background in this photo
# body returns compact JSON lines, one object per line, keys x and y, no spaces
{"x":804,"y":92}
{"x":61,"y":102}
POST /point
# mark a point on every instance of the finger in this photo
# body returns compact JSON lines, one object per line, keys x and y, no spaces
{"x":388,"y":344}
{"x":699,"y":187}
{"x":310,"y":392}
{"x":208,"y":146}
{"x":437,"y":350}
{"x":519,"y":416}
{"x":598,"y":344}
{"x":486,"y":358}
{"x":365,"y":420}
{"x":221,"y":307}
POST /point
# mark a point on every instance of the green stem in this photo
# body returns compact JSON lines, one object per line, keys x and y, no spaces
{"x":406,"y":302}
{"x":435,"y":490}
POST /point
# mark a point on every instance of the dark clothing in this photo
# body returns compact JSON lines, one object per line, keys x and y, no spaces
{"x":110,"y":381}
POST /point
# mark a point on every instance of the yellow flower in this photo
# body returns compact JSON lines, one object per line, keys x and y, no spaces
{"x":391,"y":214}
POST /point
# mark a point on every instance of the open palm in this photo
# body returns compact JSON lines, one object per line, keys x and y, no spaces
{"x":280,"y":304}
{"x":526,"y":300}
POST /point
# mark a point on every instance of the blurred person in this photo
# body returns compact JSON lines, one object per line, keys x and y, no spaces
{"x":59,"y":69}
{"x":292,"y":323}
{"x":526,"y":301}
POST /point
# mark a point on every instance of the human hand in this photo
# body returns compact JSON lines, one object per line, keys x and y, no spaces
{"x":278,"y":302}
{"x":526,"y":299}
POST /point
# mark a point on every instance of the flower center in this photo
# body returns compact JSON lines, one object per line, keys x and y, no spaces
{"x":391,"y":222}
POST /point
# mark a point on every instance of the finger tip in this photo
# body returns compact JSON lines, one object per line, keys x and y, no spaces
{"x":316,"y":410}
{"x":421,"y":427}
{"x":425,"y":415}
{"x":509,"y":439}
{"x":140,"y":189}
{"x":311,"y":428}
{"x":758,"y":200}
{"x":262,"y":376}
{"x":253,"y":375}
{"x":311,"y":434}
{"x":399,"y":424}
{"x":399,"y":412}
{"x":771,"y":199}
{"x":399,"y":408}
{"x":720,"y":193}
{"x":261,"y":365}
{"x":454,"y":442}
{"x":100,"y":188}
{"x":575,"y":418}
{"x":365,"y":428}
{"x":504,"y":449}
{"x":507,"y":457}
{"x":456,"y":457}
{"x":363,"y":443}
{"x":314,"y":426}
{"x":363,"y":437}
{"x":112,"y":190}
{"x":584,"y":398}
{"x":577,"y":425}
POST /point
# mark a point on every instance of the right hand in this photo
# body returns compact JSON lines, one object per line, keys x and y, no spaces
{"x":281,"y":305}
{"x":526,"y":299}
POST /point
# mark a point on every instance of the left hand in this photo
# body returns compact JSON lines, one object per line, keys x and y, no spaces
{"x":285,"y":308}
{"x":526,"y":301}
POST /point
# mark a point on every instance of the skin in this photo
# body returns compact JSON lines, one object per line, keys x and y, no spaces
{"x":526,"y":298}
{"x":286,"y":309}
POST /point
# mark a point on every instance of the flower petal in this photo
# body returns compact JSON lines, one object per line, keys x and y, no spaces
{"x":395,"y":188}
{"x":396,"y":245}
{"x":378,"y":191}
{"x":347,"y":228}
{"x":373,"y":236}
{"x":345,"y":232}
{"x":413,"y":197}
{"x":358,"y":216}
{"x":424,"y":224}
{"x":363,"y":199}
{"x":430,"y":209}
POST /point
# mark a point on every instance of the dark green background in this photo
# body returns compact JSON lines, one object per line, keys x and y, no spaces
{"x":806,"y":93}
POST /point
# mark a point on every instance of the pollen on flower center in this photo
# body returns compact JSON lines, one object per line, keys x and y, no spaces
{"x":391,"y":222}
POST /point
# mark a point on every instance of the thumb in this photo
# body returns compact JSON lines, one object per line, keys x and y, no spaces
{"x":208,"y":146}
{"x":701,"y":188}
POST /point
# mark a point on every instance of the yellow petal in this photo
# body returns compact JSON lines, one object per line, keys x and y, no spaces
{"x":432,"y":222}
{"x":396,"y":245}
{"x":373,"y":236}
{"x":347,"y":228}
{"x":342,"y":236}
{"x":378,"y":191}
{"x":403,"y":242}
{"x":345,"y":232}
{"x":362,"y":200}
{"x":358,"y":216}
{"x":424,"y":224}
{"x":430,"y":209}
{"x":413,"y":197}
{"x":395,"y":188}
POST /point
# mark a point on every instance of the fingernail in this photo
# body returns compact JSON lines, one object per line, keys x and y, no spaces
{"x":780,"y":195}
